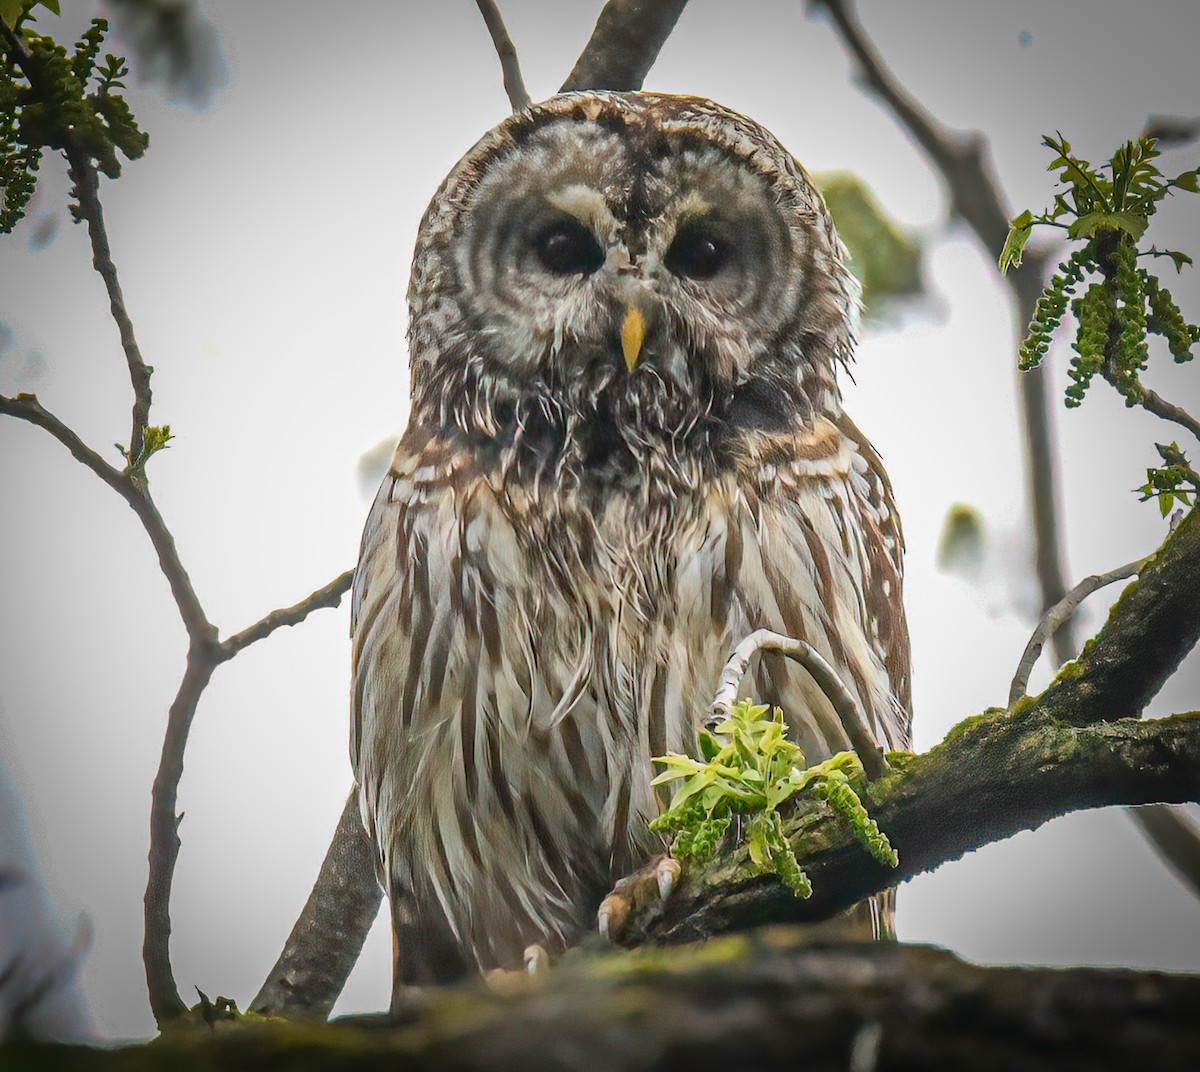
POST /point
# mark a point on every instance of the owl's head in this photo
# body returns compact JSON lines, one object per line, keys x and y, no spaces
{"x":655,"y":262}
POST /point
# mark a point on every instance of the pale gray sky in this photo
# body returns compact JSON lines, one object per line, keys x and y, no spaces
{"x":264,"y":249}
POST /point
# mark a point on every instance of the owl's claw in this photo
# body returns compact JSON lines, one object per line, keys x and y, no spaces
{"x":655,"y":881}
{"x":535,"y":963}
{"x":537,"y":960}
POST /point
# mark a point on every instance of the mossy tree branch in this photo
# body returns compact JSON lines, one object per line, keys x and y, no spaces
{"x":750,"y":1001}
{"x":1078,"y":745}
{"x":993,"y":777}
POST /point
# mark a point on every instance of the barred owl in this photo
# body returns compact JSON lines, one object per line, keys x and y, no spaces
{"x":626,"y":452}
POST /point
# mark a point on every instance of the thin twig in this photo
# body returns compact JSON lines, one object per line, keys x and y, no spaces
{"x":975,"y":197}
{"x":26,"y":407}
{"x":329,"y":595}
{"x":853,"y":720}
{"x":628,"y":37}
{"x":510,"y":66}
{"x":87,"y":181}
{"x":1059,"y":613}
{"x":200,"y":630}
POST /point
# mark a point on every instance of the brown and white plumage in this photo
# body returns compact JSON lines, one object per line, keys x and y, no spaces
{"x":568,"y":544}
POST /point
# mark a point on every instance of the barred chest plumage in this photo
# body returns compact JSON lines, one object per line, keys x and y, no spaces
{"x":554,"y":641}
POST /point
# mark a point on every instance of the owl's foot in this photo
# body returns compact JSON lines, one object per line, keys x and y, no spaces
{"x":648,"y":884}
{"x":513,"y":981}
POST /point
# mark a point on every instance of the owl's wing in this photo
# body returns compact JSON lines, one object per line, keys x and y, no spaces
{"x":821,"y":561}
{"x":883,"y":539}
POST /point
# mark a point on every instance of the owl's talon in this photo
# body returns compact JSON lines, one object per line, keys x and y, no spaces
{"x":537,"y":960}
{"x":654,"y":882}
{"x":535,"y":963}
{"x":667,"y":873}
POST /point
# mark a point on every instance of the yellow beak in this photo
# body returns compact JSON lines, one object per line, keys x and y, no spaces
{"x":633,"y":333}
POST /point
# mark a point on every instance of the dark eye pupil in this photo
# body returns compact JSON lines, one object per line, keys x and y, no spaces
{"x":568,"y":248}
{"x":696,"y":253}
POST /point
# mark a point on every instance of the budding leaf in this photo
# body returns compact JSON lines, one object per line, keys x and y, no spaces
{"x":1014,"y":245}
{"x":1189,"y":181}
{"x":750,"y":767}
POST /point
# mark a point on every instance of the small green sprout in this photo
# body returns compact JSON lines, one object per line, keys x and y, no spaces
{"x":154,"y":439}
{"x":750,"y":768}
{"x":1174,"y":481}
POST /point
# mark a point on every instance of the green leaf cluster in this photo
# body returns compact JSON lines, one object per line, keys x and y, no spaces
{"x":1108,"y":208}
{"x":1174,"y":481}
{"x":50,"y":99}
{"x":1116,"y":303}
{"x":750,"y":769}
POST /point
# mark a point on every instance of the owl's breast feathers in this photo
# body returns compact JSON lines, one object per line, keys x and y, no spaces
{"x":522,"y":648}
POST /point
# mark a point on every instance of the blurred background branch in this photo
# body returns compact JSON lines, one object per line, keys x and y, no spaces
{"x":975,"y":198}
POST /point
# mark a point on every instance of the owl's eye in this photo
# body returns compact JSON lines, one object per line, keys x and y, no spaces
{"x":566,"y":247}
{"x":697,"y":252}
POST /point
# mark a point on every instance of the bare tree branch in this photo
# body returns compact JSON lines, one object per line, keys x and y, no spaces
{"x":328,"y":937}
{"x":26,"y":407}
{"x":844,"y":704}
{"x":200,"y":630}
{"x":329,"y":595}
{"x":205,"y":654}
{"x":86,"y":191}
{"x":510,"y":66}
{"x":165,"y":1002}
{"x":975,"y":198}
{"x":628,"y":37}
{"x":1059,"y":613}
{"x":1041,"y":469}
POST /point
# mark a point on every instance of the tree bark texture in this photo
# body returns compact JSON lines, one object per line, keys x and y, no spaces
{"x":756,"y":1001}
{"x":328,"y":937}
